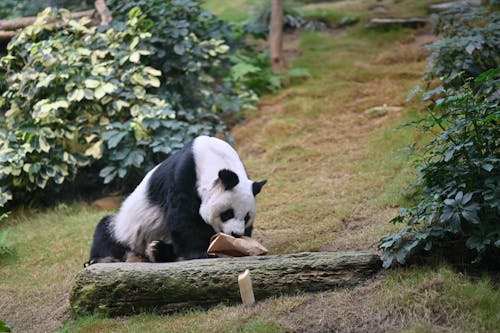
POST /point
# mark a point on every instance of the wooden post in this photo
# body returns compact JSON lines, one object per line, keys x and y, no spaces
{"x":276,"y":36}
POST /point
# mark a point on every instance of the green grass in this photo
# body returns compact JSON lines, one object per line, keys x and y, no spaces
{"x":334,"y":183}
{"x":232,"y":10}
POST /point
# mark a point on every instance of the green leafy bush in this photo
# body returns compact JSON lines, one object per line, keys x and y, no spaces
{"x":91,"y":97}
{"x":459,"y":179}
{"x":458,"y":188}
{"x":471,"y":46}
{"x":254,"y":71}
{"x":189,"y":45}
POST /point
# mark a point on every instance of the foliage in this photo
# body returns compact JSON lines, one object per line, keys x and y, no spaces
{"x":4,"y":327}
{"x":4,"y":249}
{"x":258,"y":23}
{"x":83,"y":96}
{"x":457,"y":192}
{"x":188,"y":45}
{"x":471,"y":45}
{"x":254,"y":71}
{"x":459,"y":177}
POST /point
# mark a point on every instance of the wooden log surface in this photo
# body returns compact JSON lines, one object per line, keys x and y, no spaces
{"x":23,"y":22}
{"x":415,"y":22}
{"x":127,"y":288}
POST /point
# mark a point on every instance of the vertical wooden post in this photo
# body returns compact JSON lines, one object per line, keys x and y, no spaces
{"x":276,"y":36}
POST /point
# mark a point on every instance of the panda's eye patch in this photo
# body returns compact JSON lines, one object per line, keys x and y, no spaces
{"x":247,"y":217}
{"x":227,"y":215}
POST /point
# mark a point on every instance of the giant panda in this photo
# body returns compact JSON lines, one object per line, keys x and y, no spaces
{"x":180,"y":204}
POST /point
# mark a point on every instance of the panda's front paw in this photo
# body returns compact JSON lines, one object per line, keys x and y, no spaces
{"x":159,"y":251}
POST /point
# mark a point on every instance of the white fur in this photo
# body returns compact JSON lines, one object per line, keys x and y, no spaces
{"x":212,"y":155}
{"x":138,"y":222}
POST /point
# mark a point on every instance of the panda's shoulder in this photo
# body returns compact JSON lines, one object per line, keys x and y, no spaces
{"x":204,"y":143}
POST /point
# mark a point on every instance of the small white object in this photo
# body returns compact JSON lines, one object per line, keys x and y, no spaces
{"x":246,"y":289}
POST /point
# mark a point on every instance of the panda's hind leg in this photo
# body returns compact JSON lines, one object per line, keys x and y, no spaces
{"x":159,"y":251}
{"x":105,"y":248}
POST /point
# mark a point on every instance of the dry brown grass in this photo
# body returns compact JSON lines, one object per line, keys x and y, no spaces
{"x":310,"y":144}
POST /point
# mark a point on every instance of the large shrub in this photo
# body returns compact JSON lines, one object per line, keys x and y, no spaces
{"x":186,"y":45}
{"x":471,"y":46}
{"x":458,"y":188}
{"x":102,"y":98}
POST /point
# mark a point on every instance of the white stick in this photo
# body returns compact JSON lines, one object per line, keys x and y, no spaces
{"x":246,"y":289}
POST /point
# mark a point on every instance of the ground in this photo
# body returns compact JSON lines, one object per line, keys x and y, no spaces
{"x":334,"y":182}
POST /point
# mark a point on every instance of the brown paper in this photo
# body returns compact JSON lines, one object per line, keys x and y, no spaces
{"x":222,"y":245}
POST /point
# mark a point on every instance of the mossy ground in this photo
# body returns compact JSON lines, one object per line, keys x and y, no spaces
{"x":334,"y":183}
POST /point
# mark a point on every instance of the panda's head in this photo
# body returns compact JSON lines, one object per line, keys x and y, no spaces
{"x":229,"y":205}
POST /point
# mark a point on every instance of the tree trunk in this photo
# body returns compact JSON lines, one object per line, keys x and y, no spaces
{"x":128,"y":288}
{"x":276,"y":36}
{"x":104,"y":12}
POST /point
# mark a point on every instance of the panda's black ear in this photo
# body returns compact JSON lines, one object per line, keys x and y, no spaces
{"x":257,"y":186}
{"x":228,"y":178}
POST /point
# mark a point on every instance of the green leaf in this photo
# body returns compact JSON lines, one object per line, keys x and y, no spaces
{"x":107,"y":171}
{"x":99,"y":92}
{"x":179,"y":49}
{"x":96,"y":150}
{"x":91,"y":83}
{"x":471,"y":216}
{"x":76,"y":95}
{"x":135,"y":57}
{"x":151,"y":71}
{"x":4,"y":327}
{"x":44,"y":145}
{"x":240,"y":70}
{"x":115,"y":139}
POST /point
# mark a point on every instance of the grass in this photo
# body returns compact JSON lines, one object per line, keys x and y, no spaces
{"x":334,"y":183}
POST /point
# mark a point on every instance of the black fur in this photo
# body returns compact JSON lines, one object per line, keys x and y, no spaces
{"x":160,"y":252}
{"x":104,"y":245}
{"x":173,"y":187}
{"x":257,"y":187}
{"x":228,"y":178}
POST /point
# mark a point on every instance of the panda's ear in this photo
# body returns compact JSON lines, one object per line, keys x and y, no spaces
{"x":257,"y":186}
{"x":228,"y":178}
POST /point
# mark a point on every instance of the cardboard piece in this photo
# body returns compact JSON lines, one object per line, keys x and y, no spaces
{"x":222,"y":245}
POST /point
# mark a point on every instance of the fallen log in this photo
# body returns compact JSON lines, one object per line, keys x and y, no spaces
{"x":414,"y":23}
{"x":8,"y":28}
{"x":23,"y":22}
{"x":127,"y":288}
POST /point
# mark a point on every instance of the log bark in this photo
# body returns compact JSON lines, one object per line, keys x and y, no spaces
{"x":127,"y":288}
{"x":414,"y":23}
{"x":276,"y":36}
{"x":23,"y":22}
{"x":8,"y":28}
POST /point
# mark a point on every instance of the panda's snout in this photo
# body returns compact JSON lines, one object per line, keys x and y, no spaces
{"x":236,"y":235}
